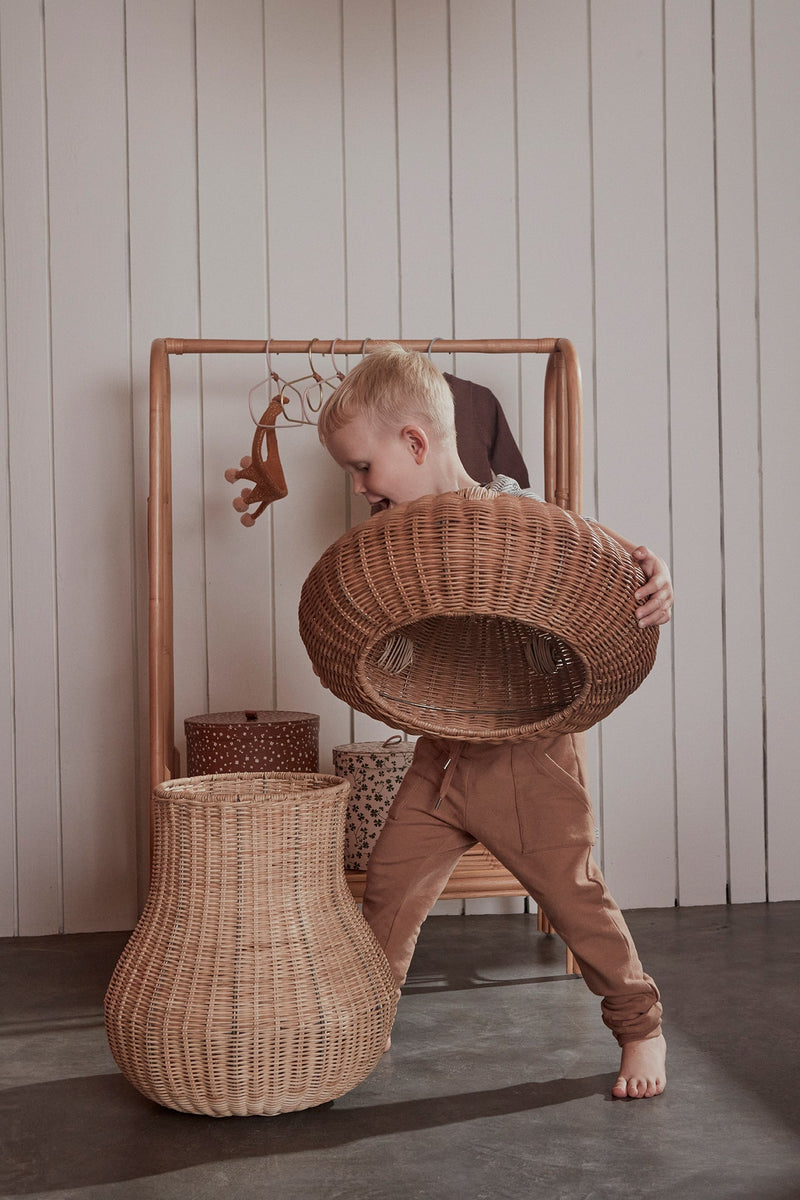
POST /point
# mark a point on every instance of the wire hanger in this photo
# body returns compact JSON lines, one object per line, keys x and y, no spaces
{"x":318,"y":384}
{"x":285,"y":386}
{"x":339,"y":374}
{"x":264,"y":472}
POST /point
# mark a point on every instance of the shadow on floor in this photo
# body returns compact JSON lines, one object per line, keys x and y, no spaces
{"x":509,"y":951}
{"x":101,"y":1131}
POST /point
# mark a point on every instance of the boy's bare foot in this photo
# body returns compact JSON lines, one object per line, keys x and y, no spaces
{"x":643,"y":1070}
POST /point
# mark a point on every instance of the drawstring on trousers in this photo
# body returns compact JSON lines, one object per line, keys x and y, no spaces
{"x":449,"y":770}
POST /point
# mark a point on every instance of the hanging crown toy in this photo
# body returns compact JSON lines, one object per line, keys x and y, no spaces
{"x":265,"y":473}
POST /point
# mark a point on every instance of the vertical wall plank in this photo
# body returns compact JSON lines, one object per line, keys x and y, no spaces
{"x":555,"y":229}
{"x":696,"y":564}
{"x":162,"y":199}
{"x":35,"y":719}
{"x":741,"y":465}
{"x":484,"y":201}
{"x":777,"y":47}
{"x":423,"y":135}
{"x":370,"y":169}
{"x":9,"y":923}
{"x":371,"y":201}
{"x":555,"y":206}
{"x":632,"y":421}
{"x":93,"y":469}
{"x":306,"y":298}
{"x":485,"y":249}
{"x":424,"y":170}
{"x":233,"y":282}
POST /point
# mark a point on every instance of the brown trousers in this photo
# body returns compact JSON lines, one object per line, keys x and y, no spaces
{"x":527,"y":803}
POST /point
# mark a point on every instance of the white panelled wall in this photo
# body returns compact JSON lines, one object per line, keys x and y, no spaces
{"x":623,"y":173}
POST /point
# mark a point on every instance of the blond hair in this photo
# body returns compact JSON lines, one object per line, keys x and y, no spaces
{"x":393,"y":387}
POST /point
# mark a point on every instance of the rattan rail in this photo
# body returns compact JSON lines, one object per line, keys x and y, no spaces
{"x":563,"y":453}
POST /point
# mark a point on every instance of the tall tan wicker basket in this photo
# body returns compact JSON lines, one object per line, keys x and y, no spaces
{"x":252,"y":984}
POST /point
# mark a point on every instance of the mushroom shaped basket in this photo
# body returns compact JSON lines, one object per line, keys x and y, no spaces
{"x":478,"y":616}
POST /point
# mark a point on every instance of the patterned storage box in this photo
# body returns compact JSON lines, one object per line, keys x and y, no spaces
{"x":375,"y":771}
{"x":251,"y":740}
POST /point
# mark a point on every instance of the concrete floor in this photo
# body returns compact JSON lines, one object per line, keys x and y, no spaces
{"x":497,"y":1084}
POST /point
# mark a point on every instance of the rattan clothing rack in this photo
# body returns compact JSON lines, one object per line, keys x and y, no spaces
{"x":562,"y":445}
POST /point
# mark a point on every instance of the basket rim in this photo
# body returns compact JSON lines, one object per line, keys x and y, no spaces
{"x":506,"y":732}
{"x":188,"y":789}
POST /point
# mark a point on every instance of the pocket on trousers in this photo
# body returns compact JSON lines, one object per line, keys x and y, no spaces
{"x":553,"y":806}
{"x":422,"y":781}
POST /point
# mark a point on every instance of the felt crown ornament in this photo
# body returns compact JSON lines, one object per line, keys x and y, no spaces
{"x":265,"y":473}
{"x":479,"y":616}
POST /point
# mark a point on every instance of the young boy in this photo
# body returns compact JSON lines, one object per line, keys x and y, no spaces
{"x":390,"y":426}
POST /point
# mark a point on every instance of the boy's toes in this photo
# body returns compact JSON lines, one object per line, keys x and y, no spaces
{"x":637,"y":1089}
{"x":629,"y":1089}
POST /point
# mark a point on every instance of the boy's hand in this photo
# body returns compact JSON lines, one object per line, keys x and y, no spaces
{"x":655,"y":597}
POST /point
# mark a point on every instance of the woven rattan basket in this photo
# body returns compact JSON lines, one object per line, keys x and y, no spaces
{"x":252,"y":984}
{"x":479,"y":616}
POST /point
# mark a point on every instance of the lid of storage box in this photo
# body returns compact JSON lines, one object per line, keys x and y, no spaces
{"x":253,"y":716}
{"x":376,"y":748}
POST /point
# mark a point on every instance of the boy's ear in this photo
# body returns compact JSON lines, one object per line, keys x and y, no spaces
{"x":417,"y":441}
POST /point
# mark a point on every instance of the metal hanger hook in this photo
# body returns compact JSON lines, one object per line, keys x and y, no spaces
{"x":273,"y":375}
{"x":339,"y":374}
{"x":317,"y":377}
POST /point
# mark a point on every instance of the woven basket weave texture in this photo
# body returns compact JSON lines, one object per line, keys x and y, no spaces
{"x":252,"y":984}
{"x":479,"y":616}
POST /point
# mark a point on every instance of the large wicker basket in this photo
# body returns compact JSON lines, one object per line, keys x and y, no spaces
{"x":252,"y":984}
{"x":478,"y":616}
